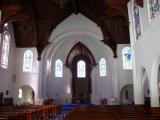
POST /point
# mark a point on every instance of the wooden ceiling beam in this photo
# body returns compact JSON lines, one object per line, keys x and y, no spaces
{"x":12,"y":13}
{"x":117,"y":7}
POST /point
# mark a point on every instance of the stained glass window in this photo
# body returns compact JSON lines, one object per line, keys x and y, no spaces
{"x":127,"y":58}
{"x":5,"y":49}
{"x":137,"y":21}
{"x":102,"y":67}
{"x":58,"y":68}
{"x":28,"y":61}
{"x":81,"y":69}
{"x":153,"y":8}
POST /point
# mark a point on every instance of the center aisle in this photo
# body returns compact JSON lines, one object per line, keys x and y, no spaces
{"x":68,"y":108}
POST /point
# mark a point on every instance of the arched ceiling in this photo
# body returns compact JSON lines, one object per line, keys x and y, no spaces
{"x":33,"y":20}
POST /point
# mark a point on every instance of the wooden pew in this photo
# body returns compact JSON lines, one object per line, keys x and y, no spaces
{"x":111,"y":113}
{"x":29,"y":112}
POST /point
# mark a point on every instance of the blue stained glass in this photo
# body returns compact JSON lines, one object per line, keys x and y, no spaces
{"x":127,"y":58}
{"x":154,"y":7}
{"x":137,"y":21}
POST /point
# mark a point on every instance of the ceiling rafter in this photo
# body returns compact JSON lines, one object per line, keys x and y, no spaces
{"x":12,"y":13}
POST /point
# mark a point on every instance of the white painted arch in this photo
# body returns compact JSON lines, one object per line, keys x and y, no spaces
{"x":66,"y":38}
{"x":154,"y":82}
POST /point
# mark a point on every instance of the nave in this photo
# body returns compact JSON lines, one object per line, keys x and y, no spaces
{"x":79,"y":112}
{"x":76,"y":52}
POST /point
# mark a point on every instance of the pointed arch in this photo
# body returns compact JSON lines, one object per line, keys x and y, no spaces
{"x":79,"y":49}
{"x":81,"y":62}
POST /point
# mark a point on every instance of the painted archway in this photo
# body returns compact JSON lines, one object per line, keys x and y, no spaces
{"x":155,"y":78}
{"x":145,"y":86}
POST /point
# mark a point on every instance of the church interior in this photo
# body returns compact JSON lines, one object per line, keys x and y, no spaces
{"x":79,"y":59}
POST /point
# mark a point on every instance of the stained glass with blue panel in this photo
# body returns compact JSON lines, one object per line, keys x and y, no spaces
{"x":137,"y":21}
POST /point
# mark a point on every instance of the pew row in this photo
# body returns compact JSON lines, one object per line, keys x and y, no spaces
{"x":29,"y":112}
{"x":106,"y":112}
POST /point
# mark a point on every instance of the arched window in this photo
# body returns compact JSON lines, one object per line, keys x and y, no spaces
{"x":154,"y":7}
{"x":137,"y":21}
{"x":20,"y":93}
{"x":127,"y":58}
{"x":5,"y":49}
{"x":58,"y":68}
{"x":81,"y":69}
{"x":102,"y":67}
{"x":28,"y":61}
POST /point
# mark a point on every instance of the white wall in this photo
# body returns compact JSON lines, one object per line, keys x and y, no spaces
{"x":147,"y":50}
{"x":26,"y":78}
{"x":62,"y":39}
{"x":124,"y":75}
{"x":6,"y":75}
